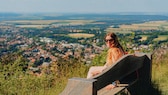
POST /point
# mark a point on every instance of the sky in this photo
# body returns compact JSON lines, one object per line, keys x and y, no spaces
{"x":83,"y":6}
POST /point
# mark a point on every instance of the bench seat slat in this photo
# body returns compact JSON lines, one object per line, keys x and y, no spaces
{"x":104,"y":91}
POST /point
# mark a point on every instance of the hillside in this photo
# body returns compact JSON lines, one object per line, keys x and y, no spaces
{"x":14,"y":80}
{"x":160,"y":71}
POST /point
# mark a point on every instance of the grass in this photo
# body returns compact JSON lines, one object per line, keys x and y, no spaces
{"x":160,"y":71}
{"x":31,"y":26}
{"x":160,"y":77}
{"x":144,"y":37}
{"x":152,"y":25}
{"x":161,"y":37}
{"x":15,"y":82}
{"x":118,"y":30}
{"x":41,"y":23}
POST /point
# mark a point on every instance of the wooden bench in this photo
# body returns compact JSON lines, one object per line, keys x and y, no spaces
{"x":129,"y":69}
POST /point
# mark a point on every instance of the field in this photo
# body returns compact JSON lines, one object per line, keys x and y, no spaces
{"x":80,"y":35}
{"x":161,"y":37}
{"x":152,"y":25}
{"x":44,"y":23}
{"x":144,"y":37}
{"x":118,"y":30}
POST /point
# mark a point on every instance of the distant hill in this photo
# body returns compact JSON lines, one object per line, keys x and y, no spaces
{"x":119,"y":16}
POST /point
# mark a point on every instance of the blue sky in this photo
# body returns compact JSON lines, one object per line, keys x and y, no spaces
{"x":83,"y":6}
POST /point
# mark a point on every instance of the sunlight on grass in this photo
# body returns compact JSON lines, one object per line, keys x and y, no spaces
{"x":161,"y":38}
{"x":20,"y":83}
{"x":151,"y":25}
{"x":160,"y":72}
{"x":81,"y":35}
{"x":144,"y":37}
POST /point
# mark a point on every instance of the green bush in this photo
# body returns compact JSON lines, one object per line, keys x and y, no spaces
{"x":15,"y":81}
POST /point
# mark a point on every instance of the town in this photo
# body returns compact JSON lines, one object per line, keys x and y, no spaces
{"x":43,"y":50}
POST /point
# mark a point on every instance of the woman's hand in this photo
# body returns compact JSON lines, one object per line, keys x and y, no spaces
{"x":96,"y":73}
{"x":110,"y":86}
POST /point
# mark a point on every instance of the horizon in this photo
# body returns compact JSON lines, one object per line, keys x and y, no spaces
{"x":73,"y":13}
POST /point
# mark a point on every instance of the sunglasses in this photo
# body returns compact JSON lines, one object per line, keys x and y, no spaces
{"x":110,"y":40}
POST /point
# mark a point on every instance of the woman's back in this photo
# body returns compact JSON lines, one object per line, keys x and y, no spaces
{"x":113,"y":55}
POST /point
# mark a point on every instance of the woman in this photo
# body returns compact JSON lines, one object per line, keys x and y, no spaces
{"x":114,"y":53}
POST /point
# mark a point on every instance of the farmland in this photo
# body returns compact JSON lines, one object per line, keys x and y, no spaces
{"x":80,"y":35}
{"x":46,"y":23}
{"x":151,"y":25}
{"x":79,"y":27}
{"x":161,"y":37}
{"x":123,"y":28}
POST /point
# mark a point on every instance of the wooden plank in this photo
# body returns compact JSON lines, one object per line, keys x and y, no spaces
{"x":113,"y":91}
{"x":80,"y":86}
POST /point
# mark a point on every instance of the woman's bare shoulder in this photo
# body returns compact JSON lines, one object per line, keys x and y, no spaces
{"x":114,"y":49}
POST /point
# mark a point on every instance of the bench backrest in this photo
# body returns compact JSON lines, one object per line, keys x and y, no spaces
{"x":123,"y":67}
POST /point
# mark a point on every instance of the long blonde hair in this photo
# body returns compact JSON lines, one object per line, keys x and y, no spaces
{"x":116,"y":44}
